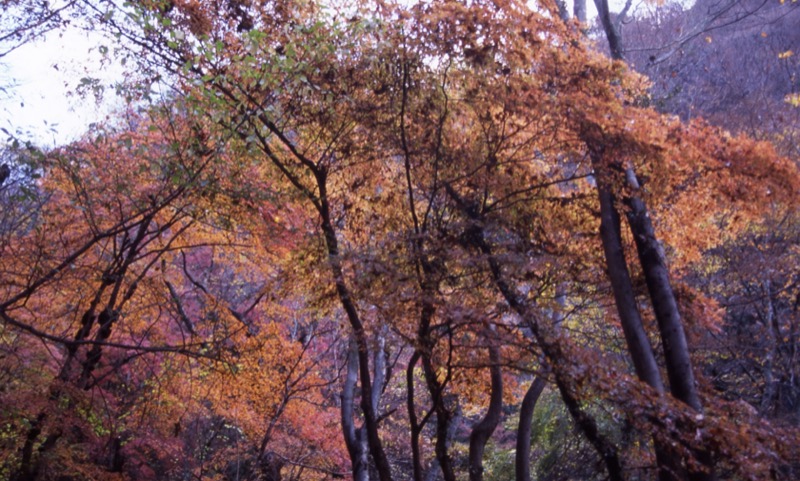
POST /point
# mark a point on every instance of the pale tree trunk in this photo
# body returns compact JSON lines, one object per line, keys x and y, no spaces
{"x":579,"y":10}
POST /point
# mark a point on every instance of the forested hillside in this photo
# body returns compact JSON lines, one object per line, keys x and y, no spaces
{"x":436,"y":241}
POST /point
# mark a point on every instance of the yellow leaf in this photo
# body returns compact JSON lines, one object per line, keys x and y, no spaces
{"x":708,"y":39}
{"x":785,"y":54}
{"x":793,"y":99}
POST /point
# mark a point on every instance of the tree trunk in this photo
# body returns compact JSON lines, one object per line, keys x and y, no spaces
{"x":644,"y":361}
{"x":415,"y":425}
{"x":522,"y":464}
{"x":483,"y":430}
{"x":547,"y":342}
{"x":673,"y":338}
{"x":432,"y":473}
{"x":5,"y":173}
{"x":354,"y":439}
{"x":613,"y":34}
{"x":444,"y":419}
{"x":579,"y":10}
{"x":348,"y":304}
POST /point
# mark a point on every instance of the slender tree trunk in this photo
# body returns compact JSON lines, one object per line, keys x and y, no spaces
{"x":579,"y":10}
{"x":547,"y":342}
{"x":379,"y":371}
{"x":346,"y":299}
{"x":5,"y":173}
{"x":773,"y":335}
{"x":483,"y":430}
{"x":522,"y":462}
{"x":415,"y":424}
{"x":644,"y":361}
{"x":613,"y":34}
{"x":444,"y":419}
{"x":432,"y":473}
{"x":354,"y":439}
{"x":584,"y":421}
{"x":673,"y":338}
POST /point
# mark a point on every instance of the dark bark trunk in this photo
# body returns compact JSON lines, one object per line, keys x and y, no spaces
{"x":585,"y":422}
{"x":644,"y":360}
{"x":483,"y":430}
{"x":432,"y":473}
{"x":547,"y":342}
{"x":5,"y":173}
{"x":106,"y":321}
{"x":673,"y":338}
{"x":345,"y":298}
{"x":415,"y":424}
{"x":613,"y":34}
{"x":669,"y":466}
{"x":27,"y":468}
{"x":444,"y":418}
{"x":354,"y":440}
{"x":522,"y":462}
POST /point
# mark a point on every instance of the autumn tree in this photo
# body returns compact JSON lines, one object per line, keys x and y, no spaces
{"x":383,"y":220}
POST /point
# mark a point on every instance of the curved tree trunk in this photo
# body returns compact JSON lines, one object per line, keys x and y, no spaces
{"x":444,"y":419}
{"x":483,"y":430}
{"x":547,"y":342}
{"x":522,"y":461}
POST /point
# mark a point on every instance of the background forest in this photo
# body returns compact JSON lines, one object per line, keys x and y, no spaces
{"x":484,"y":240}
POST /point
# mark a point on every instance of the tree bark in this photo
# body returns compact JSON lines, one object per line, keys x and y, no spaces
{"x":673,"y":338}
{"x":522,"y":462}
{"x":345,"y":298}
{"x":483,"y":430}
{"x":353,"y":439}
{"x":547,"y":342}
{"x":656,"y":273}
{"x":5,"y":173}
{"x":644,"y":361}
{"x":444,"y":419}
{"x":613,"y":34}
{"x":579,"y":10}
{"x":415,"y":425}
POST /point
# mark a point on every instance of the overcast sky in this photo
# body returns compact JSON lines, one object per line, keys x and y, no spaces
{"x":39,"y":80}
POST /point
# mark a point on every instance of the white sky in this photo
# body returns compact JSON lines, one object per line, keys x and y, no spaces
{"x":40,"y":78}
